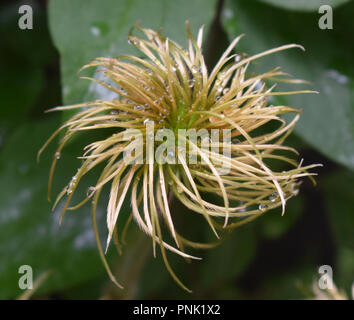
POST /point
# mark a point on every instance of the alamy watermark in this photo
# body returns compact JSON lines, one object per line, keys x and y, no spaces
{"x":25,"y":22}
{"x":25,"y":281}
{"x":326,"y":20}
{"x":183,"y":146}
{"x":325,"y":282}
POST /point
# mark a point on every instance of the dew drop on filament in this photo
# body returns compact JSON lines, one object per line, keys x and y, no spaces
{"x":237,"y":58}
{"x":90,"y":191}
{"x":263,"y":207}
{"x":194,"y":69}
{"x":273,"y":196}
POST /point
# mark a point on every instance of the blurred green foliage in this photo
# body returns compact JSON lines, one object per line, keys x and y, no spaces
{"x":274,"y":257}
{"x":327,"y":63}
{"x":304,"y":5}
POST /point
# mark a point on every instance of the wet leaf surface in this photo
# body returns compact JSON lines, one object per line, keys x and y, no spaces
{"x":327,"y":120}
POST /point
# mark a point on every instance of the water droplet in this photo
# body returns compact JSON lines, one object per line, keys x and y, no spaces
{"x":228,"y":13}
{"x":194,"y":69}
{"x":258,"y":85}
{"x":191,"y":83}
{"x":243,"y":209}
{"x":263,"y":207}
{"x":273,"y":196}
{"x":138,"y":107}
{"x":95,"y":31}
{"x":237,"y":58}
{"x":173,"y":69}
{"x":57,"y":155}
{"x":71,"y":185}
{"x":90,"y":191}
{"x":171,"y":154}
{"x":66,"y":90}
{"x":295,"y":191}
{"x":340,"y":78}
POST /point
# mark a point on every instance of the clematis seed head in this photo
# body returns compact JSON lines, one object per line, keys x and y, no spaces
{"x":183,"y":131}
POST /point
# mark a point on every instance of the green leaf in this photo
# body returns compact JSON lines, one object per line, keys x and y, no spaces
{"x":213,"y":277}
{"x":304,"y":5}
{"x":274,"y":225}
{"x":339,"y":193}
{"x":28,"y":63}
{"x":22,"y":61}
{"x":293,"y":284}
{"x":29,"y":230}
{"x":327,"y":120}
{"x":83,"y":30}
{"x":235,"y":252}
